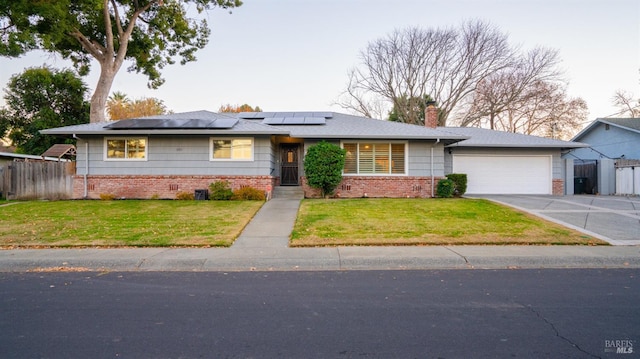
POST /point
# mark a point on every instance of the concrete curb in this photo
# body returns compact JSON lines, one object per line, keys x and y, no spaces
{"x":312,"y":259}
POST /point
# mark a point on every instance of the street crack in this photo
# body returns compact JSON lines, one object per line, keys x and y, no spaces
{"x":466,"y":261}
{"x":553,"y":327}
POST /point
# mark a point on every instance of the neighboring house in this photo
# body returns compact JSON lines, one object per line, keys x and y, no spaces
{"x":610,"y":140}
{"x":160,"y":156}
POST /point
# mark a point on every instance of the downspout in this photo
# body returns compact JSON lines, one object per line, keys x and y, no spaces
{"x":86,"y":165}
{"x":432,"y":175}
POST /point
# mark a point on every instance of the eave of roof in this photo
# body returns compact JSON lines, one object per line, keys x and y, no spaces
{"x":480,"y":137}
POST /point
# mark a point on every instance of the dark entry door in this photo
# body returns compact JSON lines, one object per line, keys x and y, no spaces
{"x":289,"y":164}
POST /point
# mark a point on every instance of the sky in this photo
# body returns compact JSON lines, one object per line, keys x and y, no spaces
{"x":294,"y":55}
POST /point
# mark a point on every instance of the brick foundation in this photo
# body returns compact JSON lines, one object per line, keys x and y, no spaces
{"x":167,"y":187}
{"x":364,"y":186}
{"x":558,"y":187}
{"x":161,"y":187}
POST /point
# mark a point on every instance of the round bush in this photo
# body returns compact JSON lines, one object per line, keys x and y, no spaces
{"x":445,"y":188}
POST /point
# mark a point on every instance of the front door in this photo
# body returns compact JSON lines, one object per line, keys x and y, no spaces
{"x":289,"y":164}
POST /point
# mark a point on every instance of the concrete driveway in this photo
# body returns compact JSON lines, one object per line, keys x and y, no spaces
{"x":614,"y":219}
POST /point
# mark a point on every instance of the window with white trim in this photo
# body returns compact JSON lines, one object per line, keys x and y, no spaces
{"x":375,"y":158}
{"x":125,"y":149}
{"x":237,"y":149}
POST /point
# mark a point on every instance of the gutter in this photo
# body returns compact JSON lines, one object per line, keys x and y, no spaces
{"x":86,"y":165}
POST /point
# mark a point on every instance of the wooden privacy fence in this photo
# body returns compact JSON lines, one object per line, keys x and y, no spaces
{"x":37,"y":180}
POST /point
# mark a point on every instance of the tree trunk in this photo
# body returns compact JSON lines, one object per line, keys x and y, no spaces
{"x":101,"y":94}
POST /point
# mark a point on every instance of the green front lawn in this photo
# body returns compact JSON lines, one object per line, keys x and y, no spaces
{"x":423,"y":222}
{"x":124,"y":223}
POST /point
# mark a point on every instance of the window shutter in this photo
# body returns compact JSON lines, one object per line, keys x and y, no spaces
{"x":397,"y":158}
{"x":351,"y":158}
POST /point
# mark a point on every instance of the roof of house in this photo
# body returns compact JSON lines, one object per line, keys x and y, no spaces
{"x":312,"y":125}
{"x":294,"y":124}
{"x":629,"y":124}
{"x":481,"y":137}
{"x":188,"y":123}
{"x":343,"y":126}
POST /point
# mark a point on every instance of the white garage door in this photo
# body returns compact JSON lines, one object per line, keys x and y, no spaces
{"x":505,"y":174}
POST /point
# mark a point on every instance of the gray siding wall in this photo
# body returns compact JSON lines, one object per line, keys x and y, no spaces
{"x":613,"y":143}
{"x":557,"y":162}
{"x":175,"y":155}
{"x":274,"y":169}
{"x":419,"y":156}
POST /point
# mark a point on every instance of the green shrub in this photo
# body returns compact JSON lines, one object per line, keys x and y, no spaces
{"x":459,"y":183}
{"x":323,"y":165}
{"x":185,"y":196}
{"x":220,"y":190}
{"x":248,"y":194}
{"x":445,"y":188}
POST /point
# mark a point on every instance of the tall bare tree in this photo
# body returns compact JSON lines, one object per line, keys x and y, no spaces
{"x":445,"y":64}
{"x":629,"y":105}
{"x":542,"y":109}
{"x":500,"y":91}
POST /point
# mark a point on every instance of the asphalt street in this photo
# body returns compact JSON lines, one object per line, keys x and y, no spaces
{"x":541,"y":313}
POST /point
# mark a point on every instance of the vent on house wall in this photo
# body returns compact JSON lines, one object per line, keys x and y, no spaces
{"x":173,"y":187}
{"x":346,"y":187}
{"x":91,"y":187}
{"x":417,"y":188}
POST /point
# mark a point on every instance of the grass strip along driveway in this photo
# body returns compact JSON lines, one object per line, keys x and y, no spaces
{"x":124,"y":223}
{"x":424,"y":222}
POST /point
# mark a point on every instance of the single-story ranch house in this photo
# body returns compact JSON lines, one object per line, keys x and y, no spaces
{"x":159,"y":156}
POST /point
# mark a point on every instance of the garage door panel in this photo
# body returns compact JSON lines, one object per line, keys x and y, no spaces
{"x":505,"y":174}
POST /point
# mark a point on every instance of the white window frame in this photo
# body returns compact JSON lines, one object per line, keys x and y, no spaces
{"x":253,"y":147}
{"x":358,"y":142}
{"x":127,"y":138}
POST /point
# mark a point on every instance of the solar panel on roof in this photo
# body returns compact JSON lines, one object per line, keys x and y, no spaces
{"x":251,"y":115}
{"x":265,"y":115}
{"x":315,"y":121}
{"x":274,"y":121}
{"x":219,"y":123}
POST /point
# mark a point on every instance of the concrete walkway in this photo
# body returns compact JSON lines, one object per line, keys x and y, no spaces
{"x":263,"y":246}
{"x":270,"y":227}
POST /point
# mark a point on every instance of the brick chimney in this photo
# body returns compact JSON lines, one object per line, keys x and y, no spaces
{"x":431,"y":115}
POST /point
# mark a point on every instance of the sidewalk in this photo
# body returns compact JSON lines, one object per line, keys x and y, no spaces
{"x":305,"y":259}
{"x":263,"y":246}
